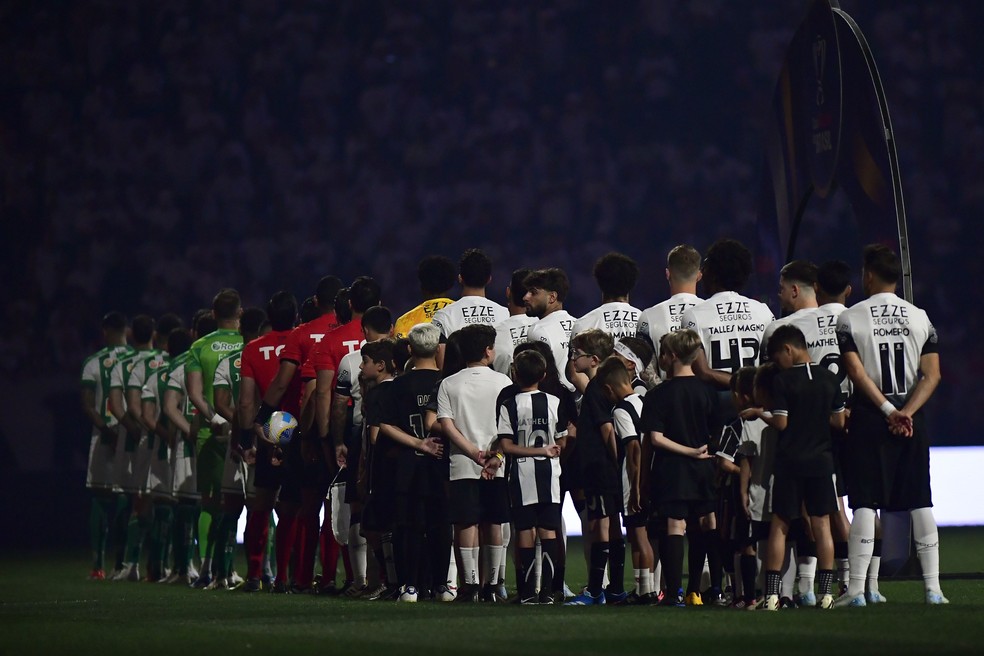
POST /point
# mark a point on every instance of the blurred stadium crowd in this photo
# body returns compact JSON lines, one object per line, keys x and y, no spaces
{"x":151,"y":153}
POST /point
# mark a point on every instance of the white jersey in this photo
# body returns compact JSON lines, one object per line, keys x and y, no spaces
{"x":348,"y":383}
{"x":555,"y":329}
{"x":226,"y":371}
{"x":819,"y":326}
{"x":508,"y":335}
{"x":889,"y":334}
{"x":617,"y":319}
{"x":468,"y":397}
{"x":466,"y":311}
{"x":730,"y":327}
{"x":664,"y":318}
{"x":533,"y":419}
{"x":626,"y":418}
{"x":759,"y":443}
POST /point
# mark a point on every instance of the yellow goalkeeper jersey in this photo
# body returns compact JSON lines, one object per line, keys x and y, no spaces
{"x":423,"y":313}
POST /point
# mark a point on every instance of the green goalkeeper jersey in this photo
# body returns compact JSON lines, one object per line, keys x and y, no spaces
{"x":204,"y":357}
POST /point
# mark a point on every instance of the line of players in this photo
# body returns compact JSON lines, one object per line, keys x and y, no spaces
{"x":406,"y":442}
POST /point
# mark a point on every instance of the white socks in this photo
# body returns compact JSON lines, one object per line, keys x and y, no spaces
{"x":357,"y":552}
{"x":806,"y":567}
{"x":500,"y":575}
{"x":927,"y":540}
{"x":469,"y":563}
{"x":452,"y":570}
{"x":860,"y":547}
{"x":788,"y":573}
{"x":493,"y":555}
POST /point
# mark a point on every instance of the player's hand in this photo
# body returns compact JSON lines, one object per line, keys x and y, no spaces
{"x":220,"y":425}
{"x":750,"y":413}
{"x":236,"y":452}
{"x":341,"y":456}
{"x":634,"y":504}
{"x":249,"y":456}
{"x":258,"y":430}
{"x":278,"y":457}
{"x":479,"y":457}
{"x":432,"y":446}
{"x":746,"y":505}
{"x":700,"y":453}
{"x":552,"y":451}
{"x":900,"y":424}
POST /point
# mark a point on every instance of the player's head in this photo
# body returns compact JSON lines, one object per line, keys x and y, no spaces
{"x":682,"y":345}
{"x":590,"y":348}
{"x":401,"y":354}
{"x":796,"y":285}
{"x":546,"y":290}
{"x":543,"y":349}
{"x":203,"y":323}
{"x":517,"y":288}
{"x":833,"y":282}
{"x":377,"y":359}
{"x":251,"y":323}
{"x":528,"y":368}
{"x":787,"y":346}
{"x":424,"y":339}
{"x":281,"y":310}
{"x":683,"y":265}
{"x":377,"y":322}
{"x":765,"y":375}
{"x":436,"y":274}
{"x":178,"y":342}
{"x":616,"y":275}
{"x":326,"y":291}
{"x":309,"y":310}
{"x":454,"y":361}
{"x":615,"y":379}
{"x":226,"y":306}
{"x":636,"y":354}
{"x":114,"y":327}
{"x":474,"y":269}
{"x":742,"y":386}
{"x":143,"y":327}
{"x":726,"y":266}
{"x":880,"y":268}
{"x":343,"y":309}
{"x":364,"y":294}
{"x":165,"y":324}
{"x":477,"y":343}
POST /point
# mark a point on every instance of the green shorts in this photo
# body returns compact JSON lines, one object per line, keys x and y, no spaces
{"x":211,"y":462}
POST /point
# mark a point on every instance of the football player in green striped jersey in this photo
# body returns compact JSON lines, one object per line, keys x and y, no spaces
{"x":96,"y":372}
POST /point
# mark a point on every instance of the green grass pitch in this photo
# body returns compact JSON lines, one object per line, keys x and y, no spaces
{"x":47,"y":607}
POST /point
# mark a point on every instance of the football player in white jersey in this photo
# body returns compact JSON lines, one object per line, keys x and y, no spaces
{"x":730,"y":325}
{"x":514,"y":330}
{"x":890,"y":351}
{"x":473,"y":308}
{"x":833,"y":290}
{"x":99,"y":476}
{"x":683,"y":274}
{"x":546,"y":290}
{"x":616,"y":275}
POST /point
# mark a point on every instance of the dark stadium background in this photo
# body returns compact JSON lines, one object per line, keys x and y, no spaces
{"x":155,"y":152}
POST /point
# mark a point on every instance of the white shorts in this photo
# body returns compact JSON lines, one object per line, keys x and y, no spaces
{"x":101,"y":468}
{"x":141,"y":466}
{"x":160,"y":476}
{"x":234,"y":473}
{"x":184,"y":464}
{"x":341,"y":513}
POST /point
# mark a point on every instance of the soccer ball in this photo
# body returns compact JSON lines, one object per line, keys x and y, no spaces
{"x":280,"y":428}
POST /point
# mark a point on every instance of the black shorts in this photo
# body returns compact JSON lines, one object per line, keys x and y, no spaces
{"x":536,"y":515}
{"x":790,"y":492}
{"x":637,"y":520}
{"x":884,"y":471}
{"x":266,"y":475}
{"x":686,"y":508}
{"x":603,"y":505}
{"x":421,"y":511}
{"x":379,"y":513}
{"x":478,"y":501}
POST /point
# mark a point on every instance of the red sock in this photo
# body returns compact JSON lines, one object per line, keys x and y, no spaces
{"x":307,"y":543}
{"x":286,"y":538}
{"x":255,"y":541}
